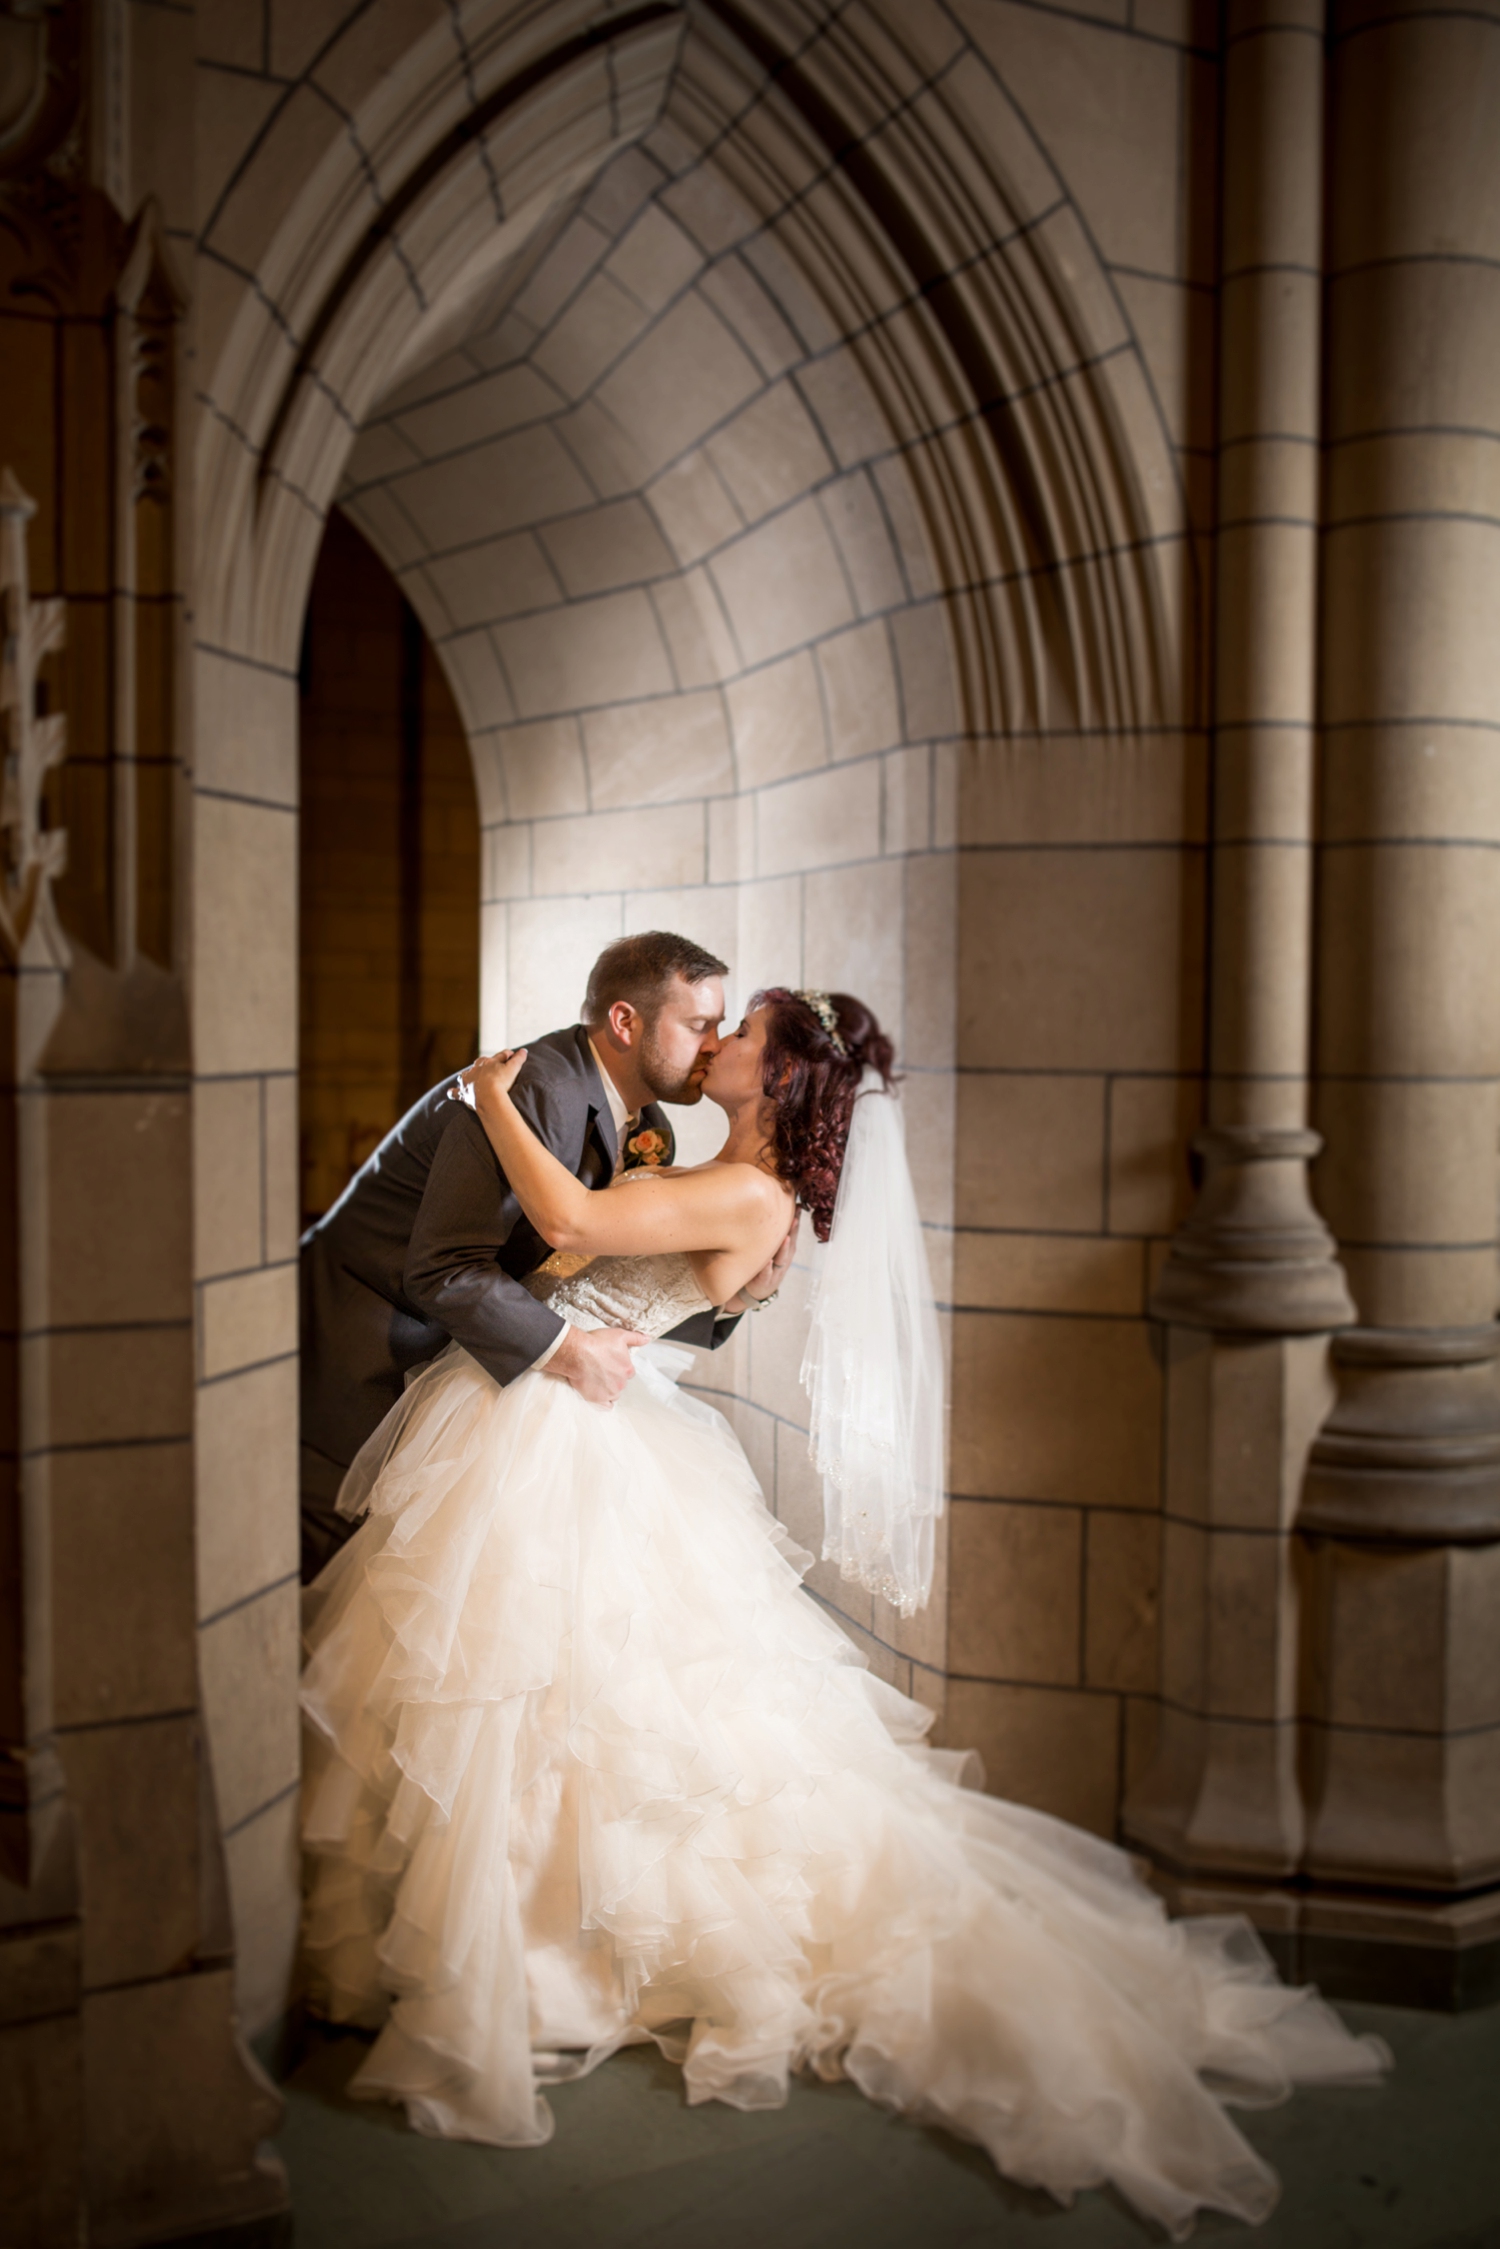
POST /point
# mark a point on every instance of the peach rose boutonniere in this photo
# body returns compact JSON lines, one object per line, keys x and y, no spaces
{"x":649,"y":1147}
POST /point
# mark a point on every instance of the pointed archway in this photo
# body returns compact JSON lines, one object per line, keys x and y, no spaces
{"x":845,"y":488}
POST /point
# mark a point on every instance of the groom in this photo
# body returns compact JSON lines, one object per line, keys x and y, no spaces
{"x":428,"y":1242}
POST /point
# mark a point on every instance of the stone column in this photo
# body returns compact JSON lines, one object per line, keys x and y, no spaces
{"x":129,"y":2111}
{"x":41,"y":2044}
{"x":1254,"y":1257}
{"x":1403,"y":1492}
{"x":1252,"y":1286}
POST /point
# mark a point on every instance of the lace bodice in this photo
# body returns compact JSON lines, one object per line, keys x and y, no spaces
{"x":651,"y":1294}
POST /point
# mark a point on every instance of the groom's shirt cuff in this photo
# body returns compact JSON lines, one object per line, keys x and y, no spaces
{"x":537,"y":1365}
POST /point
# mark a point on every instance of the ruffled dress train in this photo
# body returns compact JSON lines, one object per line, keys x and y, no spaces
{"x":587,"y":1765}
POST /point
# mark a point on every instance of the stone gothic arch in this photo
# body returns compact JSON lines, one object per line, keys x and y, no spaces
{"x":909,"y":322}
{"x":915,"y":204}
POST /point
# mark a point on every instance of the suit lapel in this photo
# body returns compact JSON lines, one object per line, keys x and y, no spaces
{"x":599,"y":1138}
{"x":602,"y":1171}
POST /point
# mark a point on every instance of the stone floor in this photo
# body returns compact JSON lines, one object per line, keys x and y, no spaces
{"x":1413,"y":2166}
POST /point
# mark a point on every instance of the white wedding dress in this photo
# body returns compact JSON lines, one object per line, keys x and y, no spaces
{"x":588,"y":1766}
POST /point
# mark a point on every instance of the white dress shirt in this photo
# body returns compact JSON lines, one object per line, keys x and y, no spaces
{"x":617,"y":1109}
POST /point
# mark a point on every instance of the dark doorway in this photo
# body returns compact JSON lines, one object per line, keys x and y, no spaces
{"x":389,"y":867}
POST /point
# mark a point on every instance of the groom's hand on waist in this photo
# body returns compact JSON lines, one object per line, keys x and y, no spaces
{"x":596,"y":1361}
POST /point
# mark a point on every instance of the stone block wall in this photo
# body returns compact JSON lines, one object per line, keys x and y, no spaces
{"x":246,"y":1209}
{"x":1079,"y":1048}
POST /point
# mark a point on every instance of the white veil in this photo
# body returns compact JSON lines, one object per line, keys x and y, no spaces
{"x":873,"y":1368}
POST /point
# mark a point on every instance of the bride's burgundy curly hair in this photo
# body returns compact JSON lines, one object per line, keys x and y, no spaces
{"x":812,"y":1087}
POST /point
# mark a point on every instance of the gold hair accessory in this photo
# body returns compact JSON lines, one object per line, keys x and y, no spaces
{"x":822,"y":1006}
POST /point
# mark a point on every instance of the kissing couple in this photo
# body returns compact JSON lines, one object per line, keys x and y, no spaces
{"x":587,"y":1765}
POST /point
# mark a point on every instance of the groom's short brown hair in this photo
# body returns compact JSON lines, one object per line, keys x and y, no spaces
{"x":640,"y":968}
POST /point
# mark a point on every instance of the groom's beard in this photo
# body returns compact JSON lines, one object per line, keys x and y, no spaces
{"x":666,"y":1081}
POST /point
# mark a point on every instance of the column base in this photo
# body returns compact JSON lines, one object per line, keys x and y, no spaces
{"x":1219,"y":1791}
{"x":179,"y":2119}
{"x":1397,"y":1950}
{"x":1219,"y":1787}
{"x":1254,"y":1257}
{"x":41,"y":2050}
{"x":270,"y":2230}
{"x":1411,"y":1450}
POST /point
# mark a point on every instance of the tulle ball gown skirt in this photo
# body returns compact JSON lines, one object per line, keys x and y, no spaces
{"x":588,"y":1766}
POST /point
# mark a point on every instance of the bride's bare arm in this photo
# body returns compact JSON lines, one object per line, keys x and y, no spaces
{"x":723,"y":1207}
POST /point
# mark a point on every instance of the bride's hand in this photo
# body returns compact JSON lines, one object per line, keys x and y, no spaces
{"x":763,"y":1287}
{"x":492,"y":1073}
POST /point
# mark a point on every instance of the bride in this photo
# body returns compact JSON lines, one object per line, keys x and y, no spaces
{"x":587,"y":1765}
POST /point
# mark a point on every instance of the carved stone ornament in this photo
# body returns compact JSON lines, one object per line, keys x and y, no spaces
{"x":34,"y":855}
{"x":39,"y":57}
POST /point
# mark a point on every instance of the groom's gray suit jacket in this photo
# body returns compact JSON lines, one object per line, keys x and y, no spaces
{"x":428,"y":1242}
